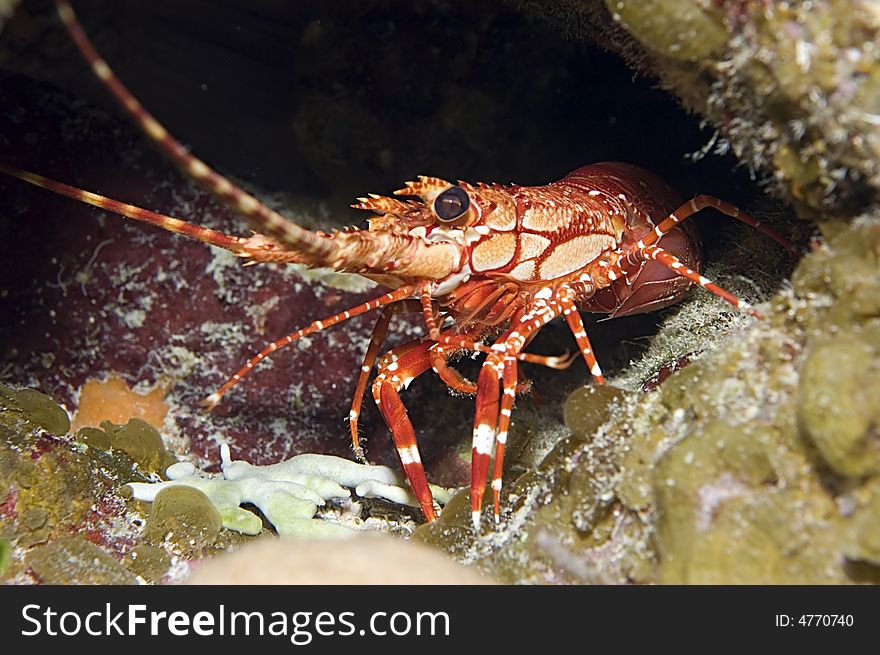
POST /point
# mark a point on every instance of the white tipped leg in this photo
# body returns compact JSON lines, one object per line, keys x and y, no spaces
{"x":211,"y":401}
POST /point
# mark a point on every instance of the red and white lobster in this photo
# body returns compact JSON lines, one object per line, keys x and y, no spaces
{"x":484,"y":262}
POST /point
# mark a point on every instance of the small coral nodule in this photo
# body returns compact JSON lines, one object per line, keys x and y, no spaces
{"x":287,"y":493}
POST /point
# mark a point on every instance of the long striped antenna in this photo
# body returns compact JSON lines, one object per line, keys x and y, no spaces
{"x":265,"y":219}
{"x":256,"y":248}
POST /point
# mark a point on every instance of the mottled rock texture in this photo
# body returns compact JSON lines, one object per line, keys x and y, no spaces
{"x":791,"y":87}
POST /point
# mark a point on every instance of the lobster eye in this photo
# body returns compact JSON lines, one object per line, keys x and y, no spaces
{"x":451,"y":204}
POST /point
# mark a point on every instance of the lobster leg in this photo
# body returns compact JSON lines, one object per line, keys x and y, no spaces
{"x":485,"y":429}
{"x":380,"y":331}
{"x":508,"y":393}
{"x":389,"y":298}
{"x":559,"y":362}
{"x":675,"y":265}
{"x":450,"y":376}
{"x":701,"y":202}
{"x":451,"y":340}
{"x":440,"y":355}
{"x":492,"y":419}
{"x":439,"y":362}
{"x":566,"y":300}
{"x":399,"y":367}
{"x":455,"y":381}
{"x":396,"y":370}
{"x":465,"y":341}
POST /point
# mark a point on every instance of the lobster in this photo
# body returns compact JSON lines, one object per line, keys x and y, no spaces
{"x":485,"y":265}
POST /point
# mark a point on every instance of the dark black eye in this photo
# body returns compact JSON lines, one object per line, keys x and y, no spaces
{"x":451,"y":204}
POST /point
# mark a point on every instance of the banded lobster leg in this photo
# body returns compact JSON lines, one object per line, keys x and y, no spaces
{"x":670,"y":261}
{"x":451,"y":341}
{"x":498,"y":377}
{"x":699,"y":203}
{"x":396,"y":370}
{"x":645,"y":250}
{"x":388,"y":299}
{"x":380,"y":331}
{"x":439,"y":357}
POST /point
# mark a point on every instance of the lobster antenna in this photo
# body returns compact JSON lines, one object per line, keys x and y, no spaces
{"x":266,"y":219}
{"x":238,"y":245}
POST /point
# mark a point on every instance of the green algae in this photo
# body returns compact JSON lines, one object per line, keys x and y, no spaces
{"x":42,"y":410}
{"x":33,"y":518}
{"x":185,"y":518}
{"x":586,"y":409}
{"x":756,"y":463}
{"x":5,"y":557}
{"x":57,"y":483}
{"x":56,"y":492}
{"x":721,"y":504}
{"x":864,"y":528}
{"x":25,"y":410}
{"x":8,"y":460}
{"x":839,"y":410}
{"x":73,"y":560}
{"x":95,"y":438}
{"x":680,"y":29}
{"x":148,"y":562}
{"x":139,"y":440}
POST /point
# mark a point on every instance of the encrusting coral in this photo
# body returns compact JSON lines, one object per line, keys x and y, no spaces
{"x":287,"y":493}
{"x":791,"y":87}
{"x":756,"y":463}
{"x":52,"y":486}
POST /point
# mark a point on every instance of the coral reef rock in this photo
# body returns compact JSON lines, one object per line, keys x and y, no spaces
{"x":757,"y":463}
{"x":368,"y":559}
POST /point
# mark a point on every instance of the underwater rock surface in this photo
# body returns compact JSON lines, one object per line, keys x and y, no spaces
{"x":58,"y":498}
{"x":166,"y":316}
{"x":757,"y":463}
{"x":365,"y":559}
{"x":791,"y":87}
